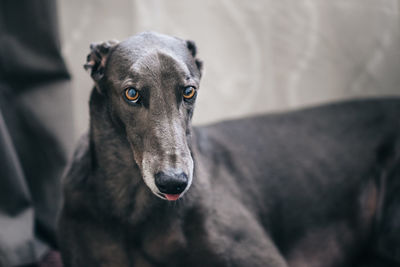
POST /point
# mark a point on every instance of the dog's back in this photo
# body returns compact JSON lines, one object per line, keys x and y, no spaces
{"x":317,"y":179}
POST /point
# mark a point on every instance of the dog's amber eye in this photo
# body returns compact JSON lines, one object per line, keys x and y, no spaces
{"x":189,"y":92}
{"x":131,"y":94}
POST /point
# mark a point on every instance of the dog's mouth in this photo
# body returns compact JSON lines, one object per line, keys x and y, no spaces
{"x":169,"y":197}
{"x":172,"y":197}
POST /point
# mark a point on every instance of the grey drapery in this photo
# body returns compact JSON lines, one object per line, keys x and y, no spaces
{"x":31,"y":157}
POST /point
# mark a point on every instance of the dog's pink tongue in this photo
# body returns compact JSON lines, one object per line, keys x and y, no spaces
{"x":172,"y":197}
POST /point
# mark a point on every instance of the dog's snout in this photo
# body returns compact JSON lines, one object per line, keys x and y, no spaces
{"x":171,"y":183}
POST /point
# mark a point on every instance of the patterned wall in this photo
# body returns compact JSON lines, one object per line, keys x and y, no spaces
{"x":259,"y":55}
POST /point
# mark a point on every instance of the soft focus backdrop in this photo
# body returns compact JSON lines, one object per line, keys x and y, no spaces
{"x":259,"y":55}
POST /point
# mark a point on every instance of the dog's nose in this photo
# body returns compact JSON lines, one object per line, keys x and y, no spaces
{"x":171,"y":183}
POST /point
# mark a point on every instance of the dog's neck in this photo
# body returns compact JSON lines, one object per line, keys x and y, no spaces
{"x":109,"y":147}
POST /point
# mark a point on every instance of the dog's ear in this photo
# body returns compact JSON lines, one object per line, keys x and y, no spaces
{"x":193,"y":50}
{"x":97,"y":58}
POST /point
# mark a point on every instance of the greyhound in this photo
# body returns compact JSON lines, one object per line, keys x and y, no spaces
{"x":312,"y":187}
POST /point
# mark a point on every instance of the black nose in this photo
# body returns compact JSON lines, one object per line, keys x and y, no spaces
{"x":171,"y":183}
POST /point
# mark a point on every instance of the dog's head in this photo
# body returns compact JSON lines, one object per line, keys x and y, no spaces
{"x":151,"y":82}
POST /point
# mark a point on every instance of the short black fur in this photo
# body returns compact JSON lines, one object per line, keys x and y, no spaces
{"x":313,"y":187}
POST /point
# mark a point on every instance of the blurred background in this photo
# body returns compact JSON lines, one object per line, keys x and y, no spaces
{"x":259,"y":56}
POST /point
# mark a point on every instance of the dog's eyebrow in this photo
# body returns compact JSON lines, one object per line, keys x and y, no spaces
{"x":127,"y":83}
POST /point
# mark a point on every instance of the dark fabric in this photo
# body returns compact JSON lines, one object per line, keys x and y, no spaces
{"x":30,"y":49}
{"x":52,"y":259}
{"x":31,"y":157}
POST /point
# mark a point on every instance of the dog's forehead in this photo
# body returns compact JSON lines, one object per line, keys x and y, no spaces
{"x":144,"y":44}
{"x":157,"y":61}
{"x":150,"y":52}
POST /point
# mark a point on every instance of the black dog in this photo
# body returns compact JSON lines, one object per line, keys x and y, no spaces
{"x":316,"y":187}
